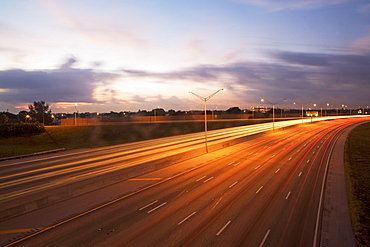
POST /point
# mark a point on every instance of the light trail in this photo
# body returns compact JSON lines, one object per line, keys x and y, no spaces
{"x":246,"y":177}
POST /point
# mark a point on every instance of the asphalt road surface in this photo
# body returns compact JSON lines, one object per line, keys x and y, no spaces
{"x":264,"y":192}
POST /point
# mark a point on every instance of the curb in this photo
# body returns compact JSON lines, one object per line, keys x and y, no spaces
{"x":32,"y":154}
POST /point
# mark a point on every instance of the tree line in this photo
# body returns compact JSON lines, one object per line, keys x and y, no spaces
{"x":27,"y":123}
{"x":39,"y":112}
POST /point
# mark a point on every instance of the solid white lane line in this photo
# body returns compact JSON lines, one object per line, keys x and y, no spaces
{"x":205,"y":181}
{"x":156,"y":208}
{"x":259,"y":189}
{"x":277,"y":170}
{"x":299,"y":174}
{"x":264,"y":239}
{"x":186,"y":218}
{"x":223,"y":228}
{"x":236,"y":163}
{"x":148,"y":205}
{"x":287,"y":196}
{"x":200,"y":178}
{"x":233,"y":184}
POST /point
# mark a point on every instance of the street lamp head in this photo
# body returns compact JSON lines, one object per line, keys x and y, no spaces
{"x":205,"y":111}
{"x":262,"y":100}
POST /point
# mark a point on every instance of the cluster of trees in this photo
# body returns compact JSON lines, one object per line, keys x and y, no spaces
{"x":20,"y":129}
{"x":171,"y":112}
{"x":26,"y":123}
{"x":257,"y":113}
{"x":41,"y":112}
{"x":38,"y":112}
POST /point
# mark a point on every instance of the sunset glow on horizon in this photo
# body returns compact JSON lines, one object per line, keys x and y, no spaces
{"x":129,"y":55}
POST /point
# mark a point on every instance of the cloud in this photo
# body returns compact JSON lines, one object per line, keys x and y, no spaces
{"x":364,"y":8}
{"x":274,"y":5}
{"x":122,"y":37}
{"x":362,"y":45}
{"x":301,"y":77}
{"x":139,"y":99}
{"x":60,"y":85}
{"x":303,"y":58}
{"x":68,"y":64}
{"x":297,"y":76}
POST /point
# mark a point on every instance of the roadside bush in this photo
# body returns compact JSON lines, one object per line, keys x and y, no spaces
{"x":20,"y":129}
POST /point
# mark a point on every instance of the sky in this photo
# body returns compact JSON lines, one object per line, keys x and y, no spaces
{"x":124,"y":55}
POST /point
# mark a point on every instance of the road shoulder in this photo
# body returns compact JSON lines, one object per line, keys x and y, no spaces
{"x":336,"y":228}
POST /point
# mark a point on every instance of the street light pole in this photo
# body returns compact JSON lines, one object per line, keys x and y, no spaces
{"x":155,"y":113}
{"x":205,"y":112}
{"x":75,"y":113}
{"x":43,"y":115}
{"x":327,"y":104}
{"x":273,"y":111}
{"x":295,"y":103}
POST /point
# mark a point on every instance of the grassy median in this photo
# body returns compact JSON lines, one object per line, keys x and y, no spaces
{"x":357,"y":165}
{"x":72,"y":137}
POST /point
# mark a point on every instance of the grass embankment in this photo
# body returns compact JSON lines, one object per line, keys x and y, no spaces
{"x":72,"y":137}
{"x":357,"y":165}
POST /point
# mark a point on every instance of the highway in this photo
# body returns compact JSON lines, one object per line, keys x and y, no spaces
{"x":263,"y":192}
{"x":18,"y":178}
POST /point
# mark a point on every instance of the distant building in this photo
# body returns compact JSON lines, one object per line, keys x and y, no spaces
{"x":312,"y":113}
